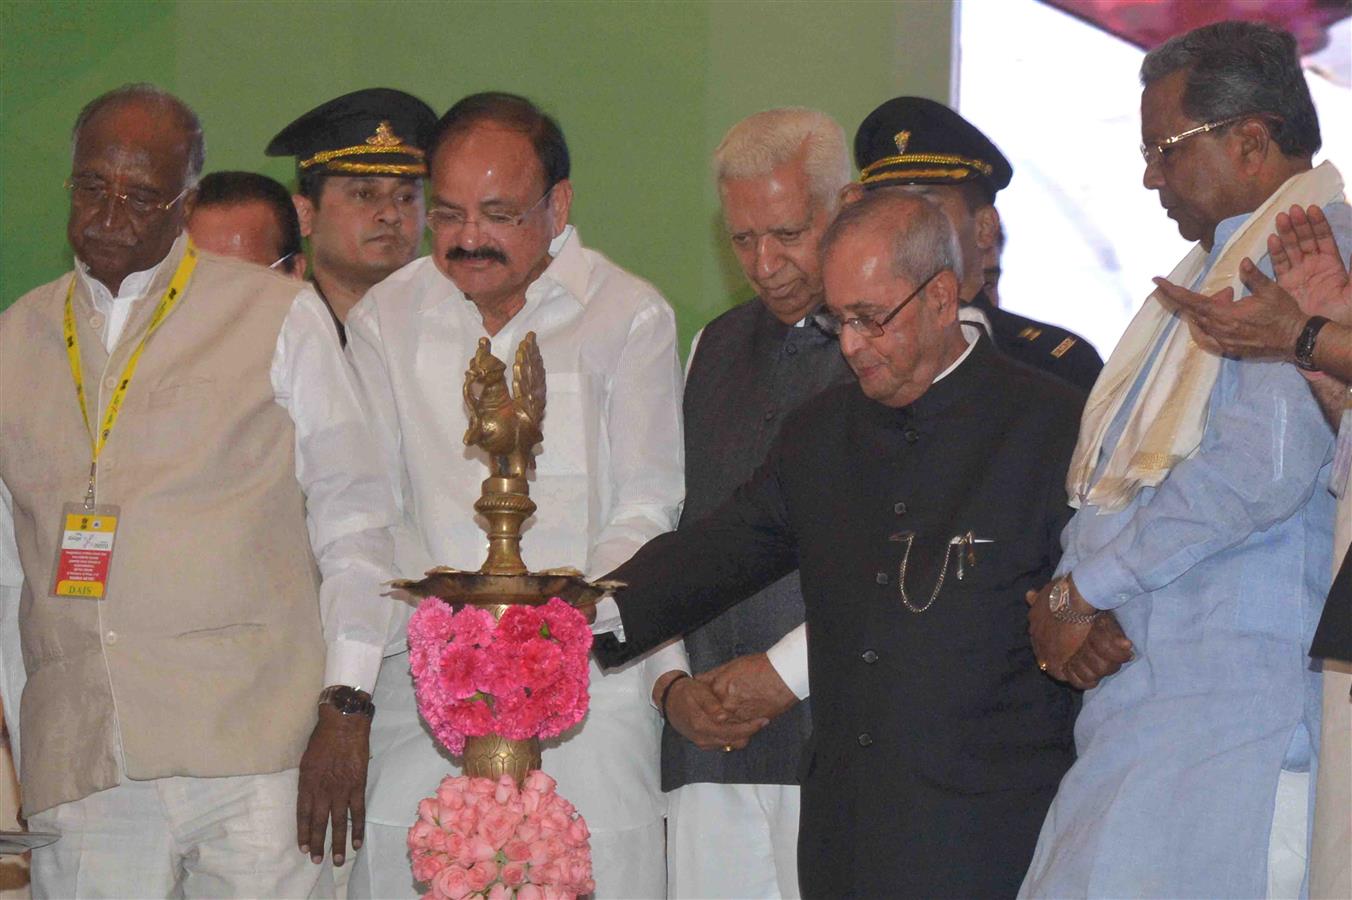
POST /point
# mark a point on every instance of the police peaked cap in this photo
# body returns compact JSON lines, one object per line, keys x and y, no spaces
{"x":376,"y":131}
{"x":912,"y":140}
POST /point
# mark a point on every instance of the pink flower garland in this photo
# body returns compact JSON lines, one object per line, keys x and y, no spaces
{"x":524,"y":677}
{"x":482,"y":838}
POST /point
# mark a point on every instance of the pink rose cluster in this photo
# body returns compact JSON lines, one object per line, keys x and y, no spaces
{"x":483,"y":838}
{"x":525,"y":676}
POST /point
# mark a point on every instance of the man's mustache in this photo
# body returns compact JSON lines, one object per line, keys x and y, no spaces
{"x":456,"y":254}
{"x":109,"y":238}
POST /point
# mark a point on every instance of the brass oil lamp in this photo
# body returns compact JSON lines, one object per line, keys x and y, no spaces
{"x":507,"y":426}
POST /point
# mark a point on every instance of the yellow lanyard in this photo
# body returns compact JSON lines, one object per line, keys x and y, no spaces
{"x":171,"y":299}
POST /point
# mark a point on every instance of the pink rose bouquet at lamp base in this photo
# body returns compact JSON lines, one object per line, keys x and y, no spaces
{"x":490,"y":690}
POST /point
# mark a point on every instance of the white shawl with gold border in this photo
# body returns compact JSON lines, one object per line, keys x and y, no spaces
{"x":1165,"y":424}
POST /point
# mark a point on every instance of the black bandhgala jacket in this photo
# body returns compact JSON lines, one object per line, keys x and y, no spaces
{"x":937,"y":743}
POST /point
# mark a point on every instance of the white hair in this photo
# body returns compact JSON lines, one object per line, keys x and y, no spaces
{"x":760,"y":143}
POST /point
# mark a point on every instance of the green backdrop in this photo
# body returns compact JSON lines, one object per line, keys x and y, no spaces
{"x":644,"y":91}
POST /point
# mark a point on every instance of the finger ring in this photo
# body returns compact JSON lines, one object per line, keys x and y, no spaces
{"x":1042,"y":666}
{"x":727,"y":748}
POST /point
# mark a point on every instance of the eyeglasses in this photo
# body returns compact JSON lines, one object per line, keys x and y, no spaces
{"x":1154,"y":153}
{"x":283,"y":261}
{"x":445,"y":219}
{"x":867,"y":325}
{"x":91,"y":193}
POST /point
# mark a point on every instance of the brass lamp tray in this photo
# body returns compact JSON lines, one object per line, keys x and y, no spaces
{"x":531,"y":588}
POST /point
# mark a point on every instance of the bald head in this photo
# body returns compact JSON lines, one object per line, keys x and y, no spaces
{"x":136,"y":157}
{"x":922,"y":238}
{"x":172,"y":112}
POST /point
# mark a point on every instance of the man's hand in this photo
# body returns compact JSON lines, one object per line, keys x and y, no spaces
{"x":1311,"y":280}
{"x":1102,"y":653}
{"x":333,"y":783}
{"x":750,"y":688}
{"x":1055,"y":642}
{"x":1263,"y":325}
{"x":694,"y":711}
{"x":1307,"y":263}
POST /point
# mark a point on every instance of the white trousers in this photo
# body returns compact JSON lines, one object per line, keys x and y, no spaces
{"x":177,"y":837}
{"x":622,"y":864}
{"x":1331,"y":847}
{"x":732,"y":841}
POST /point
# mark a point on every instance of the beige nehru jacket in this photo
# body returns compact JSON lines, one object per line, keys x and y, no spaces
{"x":206,"y":655}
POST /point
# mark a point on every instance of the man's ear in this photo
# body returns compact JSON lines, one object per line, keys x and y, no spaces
{"x":560,"y":204}
{"x":305,"y":211}
{"x":189,"y":204}
{"x":987,"y":227}
{"x":1254,"y":139}
{"x":850,"y":193}
{"x":943,"y":293}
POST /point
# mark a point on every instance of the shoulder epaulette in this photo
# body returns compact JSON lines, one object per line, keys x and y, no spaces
{"x":1060,"y":349}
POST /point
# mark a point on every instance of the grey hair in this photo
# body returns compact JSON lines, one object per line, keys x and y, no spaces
{"x":143,"y":92}
{"x":925,"y":244}
{"x":1240,"y":69}
{"x":760,"y":143}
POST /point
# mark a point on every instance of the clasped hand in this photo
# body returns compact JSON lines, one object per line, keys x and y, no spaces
{"x":1080,"y":654}
{"x":721,"y":709}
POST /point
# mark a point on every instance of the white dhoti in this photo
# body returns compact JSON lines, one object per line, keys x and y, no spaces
{"x":177,"y":837}
{"x":733,"y":841}
{"x":1331,"y":846}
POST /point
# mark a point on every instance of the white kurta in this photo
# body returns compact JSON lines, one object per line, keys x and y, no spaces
{"x":609,"y":476}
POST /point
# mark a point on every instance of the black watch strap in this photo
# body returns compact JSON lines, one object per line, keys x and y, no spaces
{"x":666,"y":693}
{"x":348,"y":700}
{"x":1305,"y":343}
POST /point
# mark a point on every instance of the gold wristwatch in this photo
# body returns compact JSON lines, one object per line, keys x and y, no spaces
{"x":1058,"y":601}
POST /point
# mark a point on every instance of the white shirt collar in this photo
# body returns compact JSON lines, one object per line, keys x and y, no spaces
{"x":968,"y":334}
{"x":568,"y":267}
{"x":117,"y":310}
{"x":133,"y":287}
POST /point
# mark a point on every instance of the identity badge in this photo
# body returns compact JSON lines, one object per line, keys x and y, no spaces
{"x":85,"y":553}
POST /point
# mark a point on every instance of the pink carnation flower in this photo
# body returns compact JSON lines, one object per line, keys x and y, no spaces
{"x":519,"y":624}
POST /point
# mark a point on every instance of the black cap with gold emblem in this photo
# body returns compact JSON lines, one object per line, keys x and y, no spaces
{"x":376,"y":131}
{"x":912,"y":140}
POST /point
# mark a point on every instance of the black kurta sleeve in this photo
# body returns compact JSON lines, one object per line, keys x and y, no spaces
{"x":680,"y":580}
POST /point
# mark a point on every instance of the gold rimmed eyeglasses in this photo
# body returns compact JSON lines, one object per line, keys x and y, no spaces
{"x":1155,"y":151}
{"x":89,"y":193}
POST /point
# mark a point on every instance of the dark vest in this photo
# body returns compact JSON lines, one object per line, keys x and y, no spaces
{"x":749,"y":371}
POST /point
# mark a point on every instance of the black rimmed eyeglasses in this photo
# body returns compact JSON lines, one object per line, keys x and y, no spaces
{"x":867,"y":325}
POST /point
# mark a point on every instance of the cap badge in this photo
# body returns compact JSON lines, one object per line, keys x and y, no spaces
{"x":384,"y":137}
{"x":902,"y":138}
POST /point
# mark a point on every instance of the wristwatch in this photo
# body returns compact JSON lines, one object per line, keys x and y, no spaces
{"x":1305,"y":343}
{"x":1058,"y":601}
{"x":348,"y":700}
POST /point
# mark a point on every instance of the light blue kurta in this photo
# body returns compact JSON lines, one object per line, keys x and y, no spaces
{"x":1218,"y":577}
